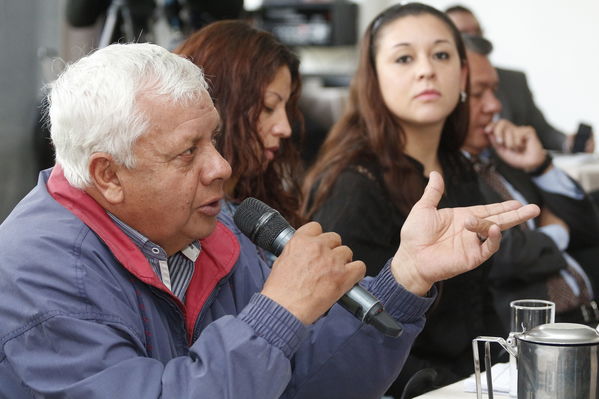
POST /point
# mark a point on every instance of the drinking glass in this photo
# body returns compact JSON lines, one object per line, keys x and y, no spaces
{"x":529,"y":313}
{"x":524,"y":315}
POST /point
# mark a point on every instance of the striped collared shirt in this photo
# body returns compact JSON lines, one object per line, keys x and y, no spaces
{"x":174,"y":271}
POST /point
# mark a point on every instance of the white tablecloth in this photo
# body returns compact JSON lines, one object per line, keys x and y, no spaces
{"x":583,"y":168}
{"x":466,"y":389}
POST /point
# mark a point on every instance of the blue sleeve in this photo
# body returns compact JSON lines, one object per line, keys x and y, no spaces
{"x":343,"y":358}
{"x":558,"y":234}
{"x":557,"y":182}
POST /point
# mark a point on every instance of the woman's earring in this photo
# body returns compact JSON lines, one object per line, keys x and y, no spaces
{"x":463,"y":96}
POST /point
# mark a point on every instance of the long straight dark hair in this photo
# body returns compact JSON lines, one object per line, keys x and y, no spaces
{"x":239,"y":62}
{"x":369,"y":130}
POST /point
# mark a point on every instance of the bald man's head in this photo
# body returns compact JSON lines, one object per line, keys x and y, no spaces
{"x":464,"y":20}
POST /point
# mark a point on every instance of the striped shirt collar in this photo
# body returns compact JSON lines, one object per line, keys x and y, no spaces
{"x":174,"y":271}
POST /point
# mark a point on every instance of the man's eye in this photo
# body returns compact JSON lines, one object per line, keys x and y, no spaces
{"x":216,"y":136}
{"x":188,"y":152}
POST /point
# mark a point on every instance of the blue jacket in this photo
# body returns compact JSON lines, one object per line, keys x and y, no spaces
{"x":83,"y":315}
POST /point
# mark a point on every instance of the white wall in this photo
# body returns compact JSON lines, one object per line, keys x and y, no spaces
{"x":556,"y":42}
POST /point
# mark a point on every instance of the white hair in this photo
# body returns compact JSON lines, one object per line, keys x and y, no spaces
{"x":93,"y":102}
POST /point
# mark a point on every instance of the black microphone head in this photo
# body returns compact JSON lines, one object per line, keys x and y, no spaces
{"x":261,"y":223}
{"x":248,"y":213}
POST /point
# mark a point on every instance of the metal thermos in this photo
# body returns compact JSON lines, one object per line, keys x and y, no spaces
{"x":558,"y":360}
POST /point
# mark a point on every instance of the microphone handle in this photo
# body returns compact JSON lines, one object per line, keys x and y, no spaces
{"x":358,"y":301}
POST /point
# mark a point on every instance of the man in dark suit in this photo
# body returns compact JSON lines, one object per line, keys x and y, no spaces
{"x":517,"y":101}
{"x":555,"y":256}
{"x":518,"y":106}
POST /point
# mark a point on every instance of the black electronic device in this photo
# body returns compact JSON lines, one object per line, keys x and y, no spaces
{"x":583,"y":135}
{"x":311,"y":23}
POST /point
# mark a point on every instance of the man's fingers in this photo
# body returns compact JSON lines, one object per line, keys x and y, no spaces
{"x":490,"y":128}
{"x":357,"y":270}
{"x":499,"y":132}
{"x":485,"y":211}
{"x":344,"y":252}
{"x":332,"y":239}
{"x":488,"y":234}
{"x":505,"y":214}
{"x":510,"y":139}
{"x":491,"y":244}
{"x":311,"y":229}
{"x":520,"y":138}
{"x":512,"y":218}
{"x":432,"y":192}
{"x":590,"y":145}
{"x":478,"y":226}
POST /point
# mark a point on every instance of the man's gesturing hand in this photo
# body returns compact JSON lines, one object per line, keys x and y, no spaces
{"x":437,"y":244}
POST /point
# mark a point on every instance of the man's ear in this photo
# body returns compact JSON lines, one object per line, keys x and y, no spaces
{"x":103,"y":171}
{"x":464,"y":76}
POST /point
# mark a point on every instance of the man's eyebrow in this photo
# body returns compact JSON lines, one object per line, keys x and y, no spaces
{"x":217,"y":131}
{"x":489,"y":85}
{"x":218,"y":127}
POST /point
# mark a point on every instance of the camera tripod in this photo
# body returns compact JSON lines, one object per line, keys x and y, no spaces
{"x":118,"y":8}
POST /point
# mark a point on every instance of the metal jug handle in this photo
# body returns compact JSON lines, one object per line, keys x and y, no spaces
{"x":487,"y":341}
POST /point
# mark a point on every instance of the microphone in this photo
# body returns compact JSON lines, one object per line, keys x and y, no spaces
{"x":266,"y":228}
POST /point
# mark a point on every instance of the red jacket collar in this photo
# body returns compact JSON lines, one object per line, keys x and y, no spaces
{"x":219,"y":252}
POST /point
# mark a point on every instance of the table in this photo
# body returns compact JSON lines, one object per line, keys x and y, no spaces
{"x":584,"y":168}
{"x":456,"y":391}
{"x":501,"y":379}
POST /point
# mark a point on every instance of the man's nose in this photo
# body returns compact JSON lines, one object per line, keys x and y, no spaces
{"x":491,"y":103}
{"x":216,"y":168}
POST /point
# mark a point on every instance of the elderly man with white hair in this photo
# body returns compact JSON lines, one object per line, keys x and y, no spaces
{"x":117,"y":280}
